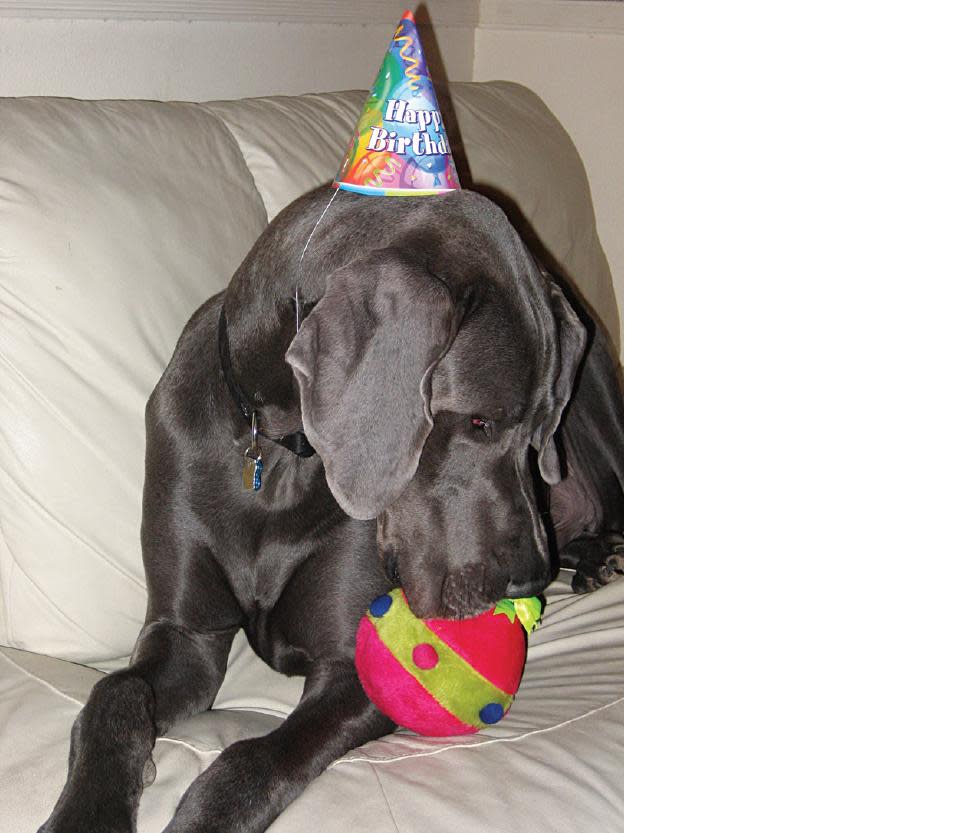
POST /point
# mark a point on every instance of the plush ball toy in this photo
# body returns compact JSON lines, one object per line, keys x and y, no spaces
{"x":443,"y":677}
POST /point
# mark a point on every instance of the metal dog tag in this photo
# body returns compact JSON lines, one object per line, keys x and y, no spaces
{"x":252,"y":469}
{"x":252,"y":462}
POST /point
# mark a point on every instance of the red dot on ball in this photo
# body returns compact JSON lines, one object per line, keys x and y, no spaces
{"x":425,"y":656}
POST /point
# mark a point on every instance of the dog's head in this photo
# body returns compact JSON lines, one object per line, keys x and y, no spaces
{"x":427,"y":371}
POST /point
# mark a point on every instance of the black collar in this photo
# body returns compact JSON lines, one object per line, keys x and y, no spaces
{"x":297,"y":441}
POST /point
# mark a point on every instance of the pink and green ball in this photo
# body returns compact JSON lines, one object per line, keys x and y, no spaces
{"x":439,"y":677}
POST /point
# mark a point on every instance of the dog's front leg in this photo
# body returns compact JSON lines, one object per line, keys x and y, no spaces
{"x":252,"y":781}
{"x":174,"y":672}
{"x":109,"y":747}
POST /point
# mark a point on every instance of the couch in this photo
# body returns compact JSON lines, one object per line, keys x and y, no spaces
{"x":117,"y":219}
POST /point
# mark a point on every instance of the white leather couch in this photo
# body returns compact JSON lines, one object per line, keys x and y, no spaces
{"x":117,"y":219}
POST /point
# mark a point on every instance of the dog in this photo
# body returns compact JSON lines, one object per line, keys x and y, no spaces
{"x":410,"y":401}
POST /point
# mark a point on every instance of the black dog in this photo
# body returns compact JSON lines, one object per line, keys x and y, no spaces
{"x":430,"y":374}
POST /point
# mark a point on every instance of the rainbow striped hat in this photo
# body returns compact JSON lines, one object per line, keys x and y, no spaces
{"x":400,"y":147}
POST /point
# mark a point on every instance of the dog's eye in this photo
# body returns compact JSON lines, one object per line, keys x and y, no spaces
{"x":480,"y":424}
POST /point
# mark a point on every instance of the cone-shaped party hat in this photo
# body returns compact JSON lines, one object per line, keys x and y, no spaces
{"x":400,"y":147}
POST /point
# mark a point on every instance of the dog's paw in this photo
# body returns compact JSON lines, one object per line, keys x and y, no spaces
{"x":94,"y":806}
{"x":597,"y":570}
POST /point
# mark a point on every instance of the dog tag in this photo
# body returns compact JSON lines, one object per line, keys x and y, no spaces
{"x":252,"y":462}
{"x":252,"y":469}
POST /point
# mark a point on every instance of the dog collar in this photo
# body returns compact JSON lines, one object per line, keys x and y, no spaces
{"x":296,"y":441}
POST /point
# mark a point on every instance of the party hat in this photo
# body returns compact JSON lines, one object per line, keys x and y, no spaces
{"x":400,"y":147}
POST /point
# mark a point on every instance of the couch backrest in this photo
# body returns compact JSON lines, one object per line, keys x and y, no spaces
{"x":118,"y":219}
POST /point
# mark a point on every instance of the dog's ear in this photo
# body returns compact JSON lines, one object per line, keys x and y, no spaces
{"x":363,"y":359}
{"x":571,"y":339}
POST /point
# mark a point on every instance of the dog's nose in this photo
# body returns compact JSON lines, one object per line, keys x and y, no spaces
{"x":525,"y":589}
{"x":471,"y":589}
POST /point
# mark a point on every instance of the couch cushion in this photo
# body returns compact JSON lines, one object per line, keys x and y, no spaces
{"x":554,"y":763}
{"x":520,"y":156}
{"x":291,"y":144}
{"x":117,"y":219}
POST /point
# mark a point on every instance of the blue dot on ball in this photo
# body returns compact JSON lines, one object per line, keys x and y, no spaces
{"x":491,"y":713}
{"x":380,"y":605}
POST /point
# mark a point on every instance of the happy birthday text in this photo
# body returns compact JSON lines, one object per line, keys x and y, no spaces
{"x":420,"y":143}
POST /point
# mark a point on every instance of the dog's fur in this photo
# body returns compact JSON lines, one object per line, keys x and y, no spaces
{"x":431,"y":375}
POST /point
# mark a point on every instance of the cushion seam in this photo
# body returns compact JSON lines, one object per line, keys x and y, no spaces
{"x":48,"y":685}
{"x":197,"y":749}
{"x":524,"y":736}
{"x":386,"y":800}
{"x":243,"y":157}
{"x":40,"y":680}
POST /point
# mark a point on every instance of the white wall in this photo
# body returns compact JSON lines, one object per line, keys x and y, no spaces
{"x":217,"y":56}
{"x":570,"y":53}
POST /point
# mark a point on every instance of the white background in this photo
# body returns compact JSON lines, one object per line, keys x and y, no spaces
{"x":793,"y":421}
